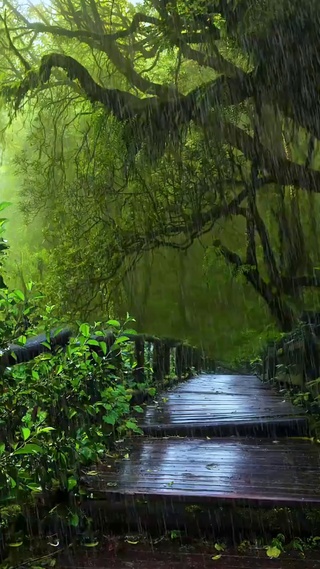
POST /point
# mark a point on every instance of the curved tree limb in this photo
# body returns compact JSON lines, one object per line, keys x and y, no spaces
{"x":181,"y":110}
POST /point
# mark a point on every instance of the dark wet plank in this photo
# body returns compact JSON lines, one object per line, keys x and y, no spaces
{"x":222,"y":405}
{"x":137,"y":558}
{"x":257,"y":471}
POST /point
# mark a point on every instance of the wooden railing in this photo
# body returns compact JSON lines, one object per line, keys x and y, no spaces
{"x":295,"y":359}
{"x":160,"y":356}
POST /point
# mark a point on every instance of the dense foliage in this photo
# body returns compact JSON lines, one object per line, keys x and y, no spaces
{"x":61,"y":411}
{"x":158,"y":129}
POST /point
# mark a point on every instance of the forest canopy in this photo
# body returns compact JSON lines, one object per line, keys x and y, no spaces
{"x":187,"y":129}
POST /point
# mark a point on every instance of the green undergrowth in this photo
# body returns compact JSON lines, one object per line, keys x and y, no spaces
{"x":60,"y":412}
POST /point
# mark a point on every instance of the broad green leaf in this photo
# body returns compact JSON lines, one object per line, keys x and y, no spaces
{"x":72,"y":482}
{"x":85,"y":330}
{"x":121,"y":339}
{"x":25,"y":433}
{"x":93,"y":343}
{"x":16,"y":544}
{"x":2,"y":448}
{"x":110,"y":419}
{"x":216,"y":557}
{"x":13,"y":482}
{"x":114,"y":323}
{"x":131,"y":425}
{"x":273,"y":552}
{"x":29,"y":448}
{"x":4,"y":205}
{"x":19,"y":294}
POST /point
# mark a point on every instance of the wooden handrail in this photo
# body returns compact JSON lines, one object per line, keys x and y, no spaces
{"x":186,"y":356}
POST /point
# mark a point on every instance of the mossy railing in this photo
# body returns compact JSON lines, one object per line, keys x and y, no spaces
{"x":295,"y":358}
{"x":162,"y":357}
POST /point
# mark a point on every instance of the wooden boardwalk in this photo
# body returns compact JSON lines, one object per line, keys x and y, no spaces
{"x":220,"y":405}
{"x":256,"y":471}
{"x":255,"y":458}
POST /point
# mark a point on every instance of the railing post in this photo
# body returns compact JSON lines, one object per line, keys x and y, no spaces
{"x":179,"y":361}
{"x":139,"y":372}
{"x":196,"y":359}
{"x":166,"y":359}
{"x":189,"y":359}
{"x":158,"y":360}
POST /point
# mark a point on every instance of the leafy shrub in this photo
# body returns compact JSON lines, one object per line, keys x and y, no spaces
{"x":61,"y":410}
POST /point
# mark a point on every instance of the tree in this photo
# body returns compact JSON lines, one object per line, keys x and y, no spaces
{"x":214,"y":136}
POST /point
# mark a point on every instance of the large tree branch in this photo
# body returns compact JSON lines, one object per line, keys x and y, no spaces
{"x":216,"y":61}
{"x":107,"y":44}
{"x":281,"y":170}
{"x":124,"y":105}
{"x":180,"y":110}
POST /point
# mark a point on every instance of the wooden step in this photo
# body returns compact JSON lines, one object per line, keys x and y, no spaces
{"x":223,"y":405}
{"x":176,"y":481}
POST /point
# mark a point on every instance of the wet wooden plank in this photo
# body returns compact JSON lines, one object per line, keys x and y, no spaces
{"x":178,"y":557}
{"x":220,"y":470}
{"x":222,"y":405}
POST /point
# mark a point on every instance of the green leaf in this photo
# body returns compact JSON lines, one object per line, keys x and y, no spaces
{"x":219,"y":547}
{"x":2,"y":448}
{"x":16,"y":544}
{"x":29,"y":448}
{"x":130,"y":332}
{"x":74,"y":520}
{"x":110,"y":419}
{"x":273,"y":552}
{"x":93,"y":343}
{"x":4,"y":205}
{"x":34,"y":487}
{"x":19,"y":294}
{"x":121,"y":339}
{"x":25,"y":433}
{"x":131,"y":425}
{"x":13,"y":483}
{"x":114,"y":323}
{"x":72,"y":482}
{"x":103,"y":347}
{"x":85,"y":330}
{"x":45,"y":430}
